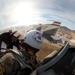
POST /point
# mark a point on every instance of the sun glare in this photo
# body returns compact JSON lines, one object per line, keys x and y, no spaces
{"x":23,"y":13}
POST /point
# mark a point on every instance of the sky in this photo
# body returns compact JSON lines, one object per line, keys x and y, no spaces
{"x":28,"y":12}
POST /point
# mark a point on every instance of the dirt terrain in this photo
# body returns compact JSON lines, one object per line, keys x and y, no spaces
{"x":47,"y":48}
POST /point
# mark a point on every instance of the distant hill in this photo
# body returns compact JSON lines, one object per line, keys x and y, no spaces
{"x":73,"y":31}
{"x":66,"y":30}
{"x":64,"y":27}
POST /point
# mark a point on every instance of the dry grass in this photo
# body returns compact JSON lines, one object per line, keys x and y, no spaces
{"x":46,"y":49}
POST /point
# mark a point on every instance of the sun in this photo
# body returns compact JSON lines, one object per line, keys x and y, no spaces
{"x":23,"y":13}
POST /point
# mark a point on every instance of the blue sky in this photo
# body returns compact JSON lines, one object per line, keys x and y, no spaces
{"x":26,"y":12}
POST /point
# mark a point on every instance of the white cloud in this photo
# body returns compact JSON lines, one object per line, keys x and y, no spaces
{"x":60,"y":8}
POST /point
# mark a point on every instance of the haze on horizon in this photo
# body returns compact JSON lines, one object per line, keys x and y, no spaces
{"x":27,"y":12}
